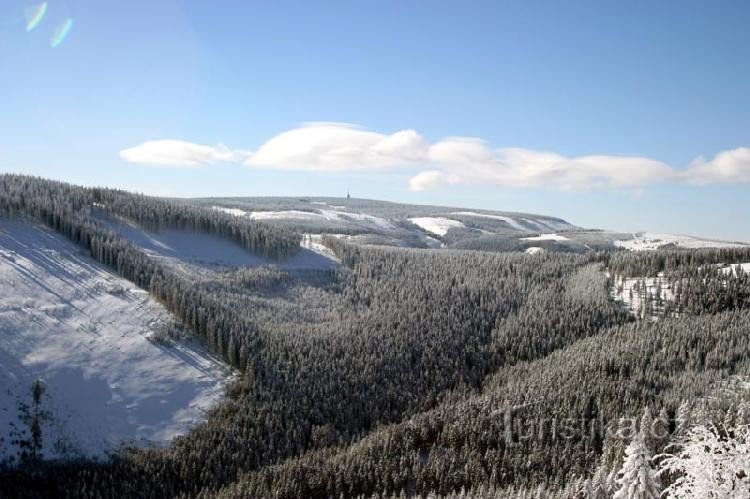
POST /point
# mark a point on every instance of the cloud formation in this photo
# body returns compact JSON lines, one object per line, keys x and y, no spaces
{"x":338,"y":147}
{"x":179,"y":153}
{"x":726,"y":167}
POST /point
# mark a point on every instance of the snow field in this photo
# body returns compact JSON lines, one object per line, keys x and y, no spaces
{"x":84,"y":331}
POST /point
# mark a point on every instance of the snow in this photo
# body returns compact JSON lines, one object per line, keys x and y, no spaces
{"x":287,"y":215}
{"x":523,"y":224}
{"x":510,"y":221}
{"x":330,"y":215}
{"x":651,"y":241}
{"x":633,"y":291}
{"x":378,"y":222}
{"x":436,"y":225}
{"x":546,"y":237}
{"x":552,"y":224}
{"x":314,"y":243}
{"x":84,"y":331}
{"x":334,"y":206}
{"x":232,"y":211}
{"x":191,"y":249}
{"x":735,"y":267}
{"x":533,"y":250}
{"x":432,"y":243}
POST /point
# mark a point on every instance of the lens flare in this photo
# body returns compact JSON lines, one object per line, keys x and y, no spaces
{"x":34,"y":15}
{"x":61,"y":32}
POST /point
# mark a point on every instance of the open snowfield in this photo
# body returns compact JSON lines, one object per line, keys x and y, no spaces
{"x":510,"y":221}
{"x":734,"y":268}
{"x":633,"y":292}
{"x":522,"y":224}
{"x":436,"y":225}
{"x":81,"y":329}
{"x":331,"y":213}
{"x":546,"y":237}
{"x":651,"y":241}
{"x":204,"y":251}
{"x":314,"y":243}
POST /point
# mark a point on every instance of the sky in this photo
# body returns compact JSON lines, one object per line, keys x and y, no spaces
{"x":616,"y":115}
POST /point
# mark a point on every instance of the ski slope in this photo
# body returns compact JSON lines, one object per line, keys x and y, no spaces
{"x":84,"y":332}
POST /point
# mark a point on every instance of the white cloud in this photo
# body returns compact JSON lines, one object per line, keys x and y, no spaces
{"x":727,"y":167}
{"x":179,"y":153}
{"x":337,"y":147}
{"x":470,"y":161}
{"x":429,"y":180}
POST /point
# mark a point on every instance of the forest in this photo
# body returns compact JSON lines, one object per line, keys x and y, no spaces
{"x":477,"y":372}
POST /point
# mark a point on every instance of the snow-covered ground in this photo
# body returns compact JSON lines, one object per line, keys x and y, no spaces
{"x":546,"y":237}
{"x":314,"y":243}
{"x":523,"y":224}
{"x":204,"y":251}
{"x":436,"y":225}
{"x":232,"y":211}
{"x":734,"y":268}
{"x":650,"y":241}
{"x":634,"y":291}
{"x":332,"y":213}
{"x":510,"y":221}
{"x":84,"y":332}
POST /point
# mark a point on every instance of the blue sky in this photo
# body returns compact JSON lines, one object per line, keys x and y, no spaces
{"x":596,"y":111}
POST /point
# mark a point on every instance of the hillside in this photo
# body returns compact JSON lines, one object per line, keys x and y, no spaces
{"x":394,"y":224}
{"x":385,"y":371}
{"x":85,"y":333}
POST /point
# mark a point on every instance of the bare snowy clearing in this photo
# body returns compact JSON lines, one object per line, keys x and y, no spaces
{"x":546,"y":237}
{"x":84,"y":331}
{"x":643,"y":296}
{"x":205,"y":251}
{"x":650,"y":241}
{"x":523,"y":224}
{"x":734,"y":269}
{"x":510,"y":221}
{"x":329,"y":215}
{"x":232,"y":211}
{"x":436,"y":225}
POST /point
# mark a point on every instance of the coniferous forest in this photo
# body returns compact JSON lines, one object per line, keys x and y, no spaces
{"x":412,"y":373}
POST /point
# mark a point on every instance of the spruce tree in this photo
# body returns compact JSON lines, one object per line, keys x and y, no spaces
{"x":637,"y":478}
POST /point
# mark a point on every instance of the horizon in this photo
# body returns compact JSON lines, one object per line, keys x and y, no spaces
{"x":608,"y":116}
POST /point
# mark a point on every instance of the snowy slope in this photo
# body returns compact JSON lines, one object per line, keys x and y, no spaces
{"x":736,"y":268}
{"x":546,"y":237}
{"x":651,"y":241}
{"x":521,"y":223}
{"x":81,"y":329}
{"x":331,"y":213}
{"x":436,"y":225}
{"x":190,"y":250}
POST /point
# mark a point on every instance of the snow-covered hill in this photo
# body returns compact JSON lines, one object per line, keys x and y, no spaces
{"x":196,"y":251}
{"x":649,"y":241}
{"x":388,"y":223}
{"x":84,"y":332}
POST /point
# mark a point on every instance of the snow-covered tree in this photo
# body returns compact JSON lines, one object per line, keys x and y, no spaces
{"x":647,"y":429}
{"x":709,"y":466}
{"x":637,"y":480}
